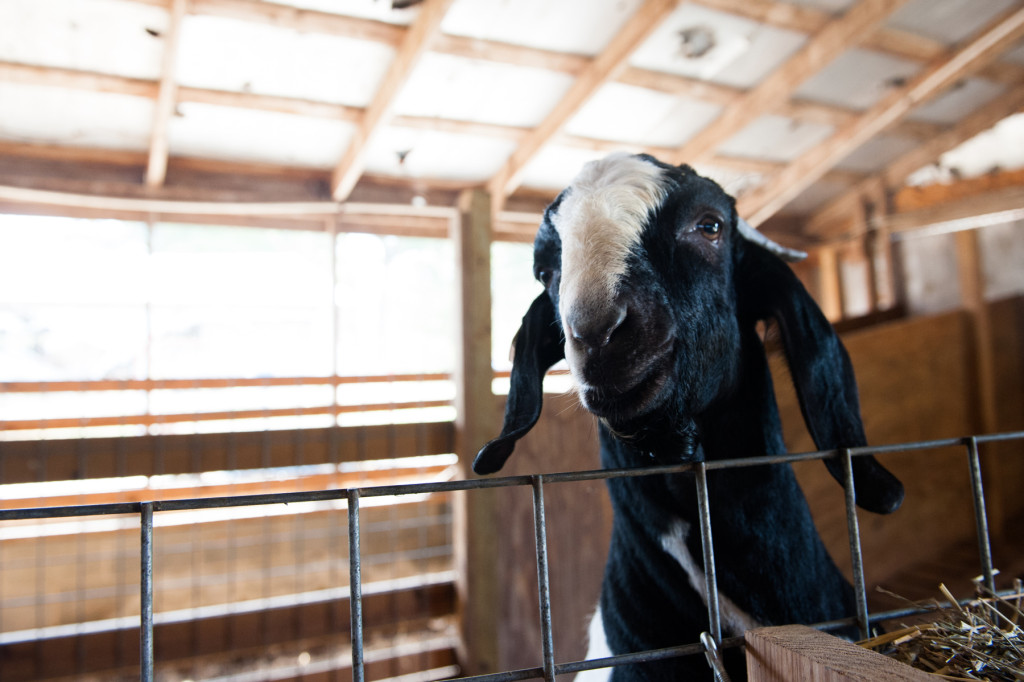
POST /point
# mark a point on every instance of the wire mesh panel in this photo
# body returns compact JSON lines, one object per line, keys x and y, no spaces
{"x":371,"y":582}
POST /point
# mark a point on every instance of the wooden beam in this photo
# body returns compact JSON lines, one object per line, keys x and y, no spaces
{"x":475,"y":423}
{"x":801,"y":19}
{"x":804,"y":19}
{"x":56,"y":77}
{"x":830,"y":283}
{"x":72,"y":459}
{"x":999,"y":206}
{"x":603,"y":68}
{"x":769,"y":198}
{"x":167,"y":98}
{"x":302,"y":20}
{"x":940,"y":194}
{"x":416,"y":42}
{"x":1007,"y":104}
{"x":797,"y":652}
{"x":833,"y":39}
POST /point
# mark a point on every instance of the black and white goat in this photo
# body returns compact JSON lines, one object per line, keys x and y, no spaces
{"x":653,"y":287}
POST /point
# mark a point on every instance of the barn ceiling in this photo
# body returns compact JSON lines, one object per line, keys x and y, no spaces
{"x":799,"y":108}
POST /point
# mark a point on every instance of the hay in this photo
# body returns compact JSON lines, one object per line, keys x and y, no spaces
{"x":981,"y":640}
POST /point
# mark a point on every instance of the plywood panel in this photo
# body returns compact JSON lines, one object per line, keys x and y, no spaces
{"x":578,"y":530}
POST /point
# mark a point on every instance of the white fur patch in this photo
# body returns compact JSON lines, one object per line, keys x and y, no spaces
{"x":597,"y":647}
{"x":734,"y":619}
{"x":599,"y":222}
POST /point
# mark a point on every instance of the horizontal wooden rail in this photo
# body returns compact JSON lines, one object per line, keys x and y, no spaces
{"x":28,"y":461}
{"x":175,"y":384}
{"x":153,"y":419}
{"x":230,"y":638}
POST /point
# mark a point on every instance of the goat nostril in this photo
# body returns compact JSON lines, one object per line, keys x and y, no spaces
{"x":595,"y":332}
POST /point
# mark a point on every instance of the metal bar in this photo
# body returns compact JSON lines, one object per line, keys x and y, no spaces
{"x":146,"y":590}
{"x":472,"y":484}
{"x":543,"y":585}
{"x":355,"y":586}
{"x":711,"y":578}
{"x":856,"y":558}
{"x":980,"y":515}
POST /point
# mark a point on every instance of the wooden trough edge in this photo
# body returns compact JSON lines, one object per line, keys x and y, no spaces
{"x":798,"y":652}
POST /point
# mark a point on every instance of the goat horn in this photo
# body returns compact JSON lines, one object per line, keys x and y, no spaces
{"x":750,"y":234}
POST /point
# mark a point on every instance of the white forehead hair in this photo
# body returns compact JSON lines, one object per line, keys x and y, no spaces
{"x":600,"y":221}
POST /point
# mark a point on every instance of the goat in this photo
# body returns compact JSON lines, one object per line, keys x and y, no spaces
{"x":653,"y":288}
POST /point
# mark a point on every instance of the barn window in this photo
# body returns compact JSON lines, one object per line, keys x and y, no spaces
{"x":165,"y":361}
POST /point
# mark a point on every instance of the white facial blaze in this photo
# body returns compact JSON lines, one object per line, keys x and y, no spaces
{"x":599,"y":222}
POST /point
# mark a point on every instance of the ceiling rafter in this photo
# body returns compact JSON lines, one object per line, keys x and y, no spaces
{"x":832,"y":218}
{"x":833,"y":39}
{"x":68,"y":78}
{"x":792,"y":17}
{"x":810,"y":20}
{"x":603,"y":68}
{"x":166,"y":99}
{"x":797,"y":176}
{"x":421,"y":34}
{"x":783,"y":15}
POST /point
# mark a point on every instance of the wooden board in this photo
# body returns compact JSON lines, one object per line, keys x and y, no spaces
{"x":797,"y":652}
{"x":62,"y":460}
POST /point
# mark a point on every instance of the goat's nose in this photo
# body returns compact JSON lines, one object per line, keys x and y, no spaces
{"x":594,"y":331}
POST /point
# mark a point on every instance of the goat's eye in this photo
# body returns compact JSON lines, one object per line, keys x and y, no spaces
{"x":710,"y":226}
{"x":544,"y":276}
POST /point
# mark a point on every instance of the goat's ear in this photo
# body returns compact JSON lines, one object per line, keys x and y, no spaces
{"x":538,"y":345}
{"x":821,"y":371}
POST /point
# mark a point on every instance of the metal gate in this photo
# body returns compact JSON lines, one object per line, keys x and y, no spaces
{"x":353,"y":497}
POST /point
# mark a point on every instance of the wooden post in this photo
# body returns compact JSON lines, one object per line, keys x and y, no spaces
{"x":830,"y":285}
{"x":972,"y":298}
{"x":798,"y":652}
{"x":475,"y":424}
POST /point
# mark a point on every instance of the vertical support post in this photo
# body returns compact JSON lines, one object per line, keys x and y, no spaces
{"x":543,"y":585}
{"x":355,"y":586}
{"x":830,"y":284}
{"x":711,"y":576}
{"x":856,"y":556}
{"x":476,"y":542}
{"x":980,"y":515}
{"x":146,"y":593}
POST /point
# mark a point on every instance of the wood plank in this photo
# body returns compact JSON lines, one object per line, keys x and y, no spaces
{"x":999,"y":206}
{"x":55,"y":77}
{"x":230,"y":637}
{"x":805,"y":19}
{"x":254,"y":559}
{"x":417,"y":40}
{"x":63,"y":460}
{"x":797,"y":652}
{"x":476,"y":556}
{"x":166,"y":99}
{"x":579,"y":521}
{"x":829,"y":42}
{"x":302,"y":20}
{"x":921,"y":197}
{"x":829,"y":283}
{"x":603,"y":68}
{"x":988,"y":44}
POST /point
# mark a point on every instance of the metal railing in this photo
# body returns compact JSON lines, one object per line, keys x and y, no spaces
{"x":550,"y":669}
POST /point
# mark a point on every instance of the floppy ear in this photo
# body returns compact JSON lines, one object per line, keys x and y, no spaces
{"x":538,"y":345}
{"x":821,"y":371}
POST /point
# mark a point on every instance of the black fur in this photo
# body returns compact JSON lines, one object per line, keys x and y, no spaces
{"x":684,"y":378}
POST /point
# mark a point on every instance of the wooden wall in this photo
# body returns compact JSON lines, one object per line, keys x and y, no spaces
{"x":918,"y":382}
{"x":579,"y":527}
